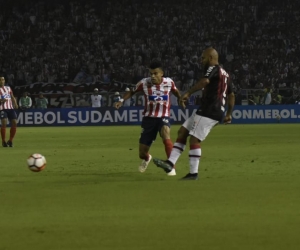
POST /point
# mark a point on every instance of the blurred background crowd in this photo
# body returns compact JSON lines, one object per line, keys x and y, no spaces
{"x":114,"y":41}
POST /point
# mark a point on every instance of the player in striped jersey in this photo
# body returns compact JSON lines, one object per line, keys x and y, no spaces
{"x":217,"y":91}
{"x":156,"y":90}
{"x":7,"y":104}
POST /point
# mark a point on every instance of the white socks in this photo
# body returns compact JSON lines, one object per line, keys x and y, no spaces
{"x":194,"y":156}
{"x":176,"y":152}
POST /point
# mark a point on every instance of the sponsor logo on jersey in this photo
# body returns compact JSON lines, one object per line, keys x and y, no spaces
{"x":157,"y":92}
{"x":161,"y":98}
{"x":5,"y":96}
{"x":209,"y":70}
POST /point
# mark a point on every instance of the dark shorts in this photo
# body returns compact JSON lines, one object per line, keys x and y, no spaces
{"x":8,"y":113}
{"x":150,"y":127}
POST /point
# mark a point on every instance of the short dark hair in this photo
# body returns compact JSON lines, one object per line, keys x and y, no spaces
{"x":156,"y":64}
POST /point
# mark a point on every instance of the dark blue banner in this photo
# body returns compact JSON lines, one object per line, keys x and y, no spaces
{"x":90,"y":116}
{"x":133,"y":115}
{"x":266,"y":114}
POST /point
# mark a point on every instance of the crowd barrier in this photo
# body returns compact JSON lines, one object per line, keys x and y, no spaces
{"x":133,"y":116}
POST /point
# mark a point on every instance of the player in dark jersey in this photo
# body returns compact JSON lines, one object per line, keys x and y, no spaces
{"x":217,"y":92}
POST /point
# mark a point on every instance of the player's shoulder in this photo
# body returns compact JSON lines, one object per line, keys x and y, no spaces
{"x":5,"y":87}
{"x":145,"y":80}
{"x":142,"y":82}
{"x":212,"y":67}
{"x":212,"y":70}
{"x":223,"y":71}
{"x":167,"y":80}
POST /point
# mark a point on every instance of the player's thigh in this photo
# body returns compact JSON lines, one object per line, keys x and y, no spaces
{"x":3,"y":117}
{"x":149,"y":131}
{"x":11,"y":114}
{"x":3,"y":114}
{"x":201,"y":126}
{"x":164,"y":128}
{"x":182,"y":133}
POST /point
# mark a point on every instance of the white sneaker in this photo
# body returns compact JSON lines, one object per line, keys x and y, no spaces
{"x":144,"y":165}
{"x":172,"y":173}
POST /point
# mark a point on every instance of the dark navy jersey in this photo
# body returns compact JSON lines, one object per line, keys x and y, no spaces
{"x":215,"y":93}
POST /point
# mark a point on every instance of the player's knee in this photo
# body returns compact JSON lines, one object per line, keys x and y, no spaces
{"x":3,"y":124}
{"x":165,"y":136}
{"x":14,"y":123}
{"x":182,"y":133}
{"x":165,"y":132}
{"x":194,"y":140}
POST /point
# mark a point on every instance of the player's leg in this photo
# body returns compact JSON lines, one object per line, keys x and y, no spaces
{"x":178,"y":147}
{"x":148,"y":135}
{"x":13,"y":129}
{"x":3,"y":117}
{"x":165,"y":135}
{"x":198,"y":133}
{"x":194,"y":158}
{"x":164,"y":131}
{"x":145,"y":156}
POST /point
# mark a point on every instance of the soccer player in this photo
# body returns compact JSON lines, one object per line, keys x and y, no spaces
{"x":96,"y":99}
{"x":157,"y":90}
{"x":7,"y":105}
{"x":216,"y":91}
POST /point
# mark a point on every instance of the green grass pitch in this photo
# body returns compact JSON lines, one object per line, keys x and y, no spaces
{"x":91,"y":195}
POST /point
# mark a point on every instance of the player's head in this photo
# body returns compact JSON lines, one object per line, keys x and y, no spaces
{"x":2,"y":80}
{"x":209,"y":57}
{"x":156,"y":72}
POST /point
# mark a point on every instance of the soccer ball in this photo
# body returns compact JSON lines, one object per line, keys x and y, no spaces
{"x":36,"y":162}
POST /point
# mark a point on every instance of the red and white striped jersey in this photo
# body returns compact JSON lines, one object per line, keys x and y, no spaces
{"x":157,"y":97}
{"x":6,"y":93}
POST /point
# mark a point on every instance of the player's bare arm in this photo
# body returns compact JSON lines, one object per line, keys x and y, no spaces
{"x":126,"y":96}
{"x":178,"y":95}
{"x":14,"y":101}
{"x":230,"y":101}
{"x":198,"y":86}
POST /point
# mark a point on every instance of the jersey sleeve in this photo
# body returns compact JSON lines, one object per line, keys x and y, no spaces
{"x":211,"y":72}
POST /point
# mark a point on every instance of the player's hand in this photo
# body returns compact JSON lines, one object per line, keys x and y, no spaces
{"x":227,"y":119}
{"x":118,"y":105}
{"x":183,"y":99}
{"x":182,"y":103}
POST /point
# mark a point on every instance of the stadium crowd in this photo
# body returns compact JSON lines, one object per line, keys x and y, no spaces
{"x":85,"y":41}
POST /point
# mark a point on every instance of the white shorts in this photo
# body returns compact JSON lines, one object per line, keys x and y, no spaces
{"x":199,"y":126}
